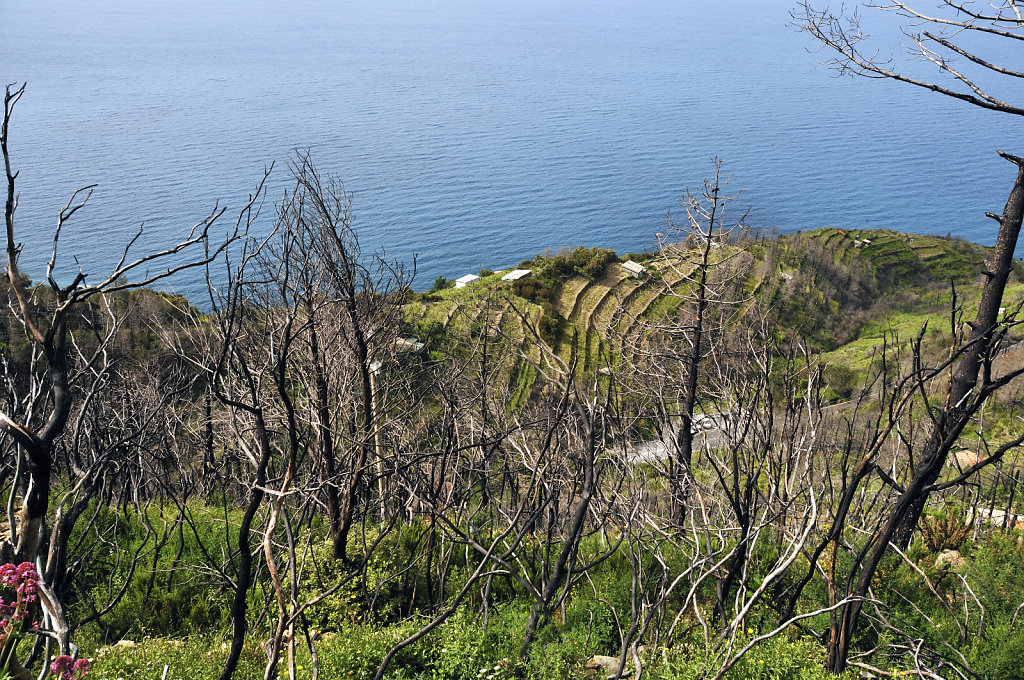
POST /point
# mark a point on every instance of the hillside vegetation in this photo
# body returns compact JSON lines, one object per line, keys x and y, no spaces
{"x":843,"y":292}
{"x":290,"y":485}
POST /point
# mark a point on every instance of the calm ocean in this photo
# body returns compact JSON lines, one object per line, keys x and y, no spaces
{"x":473,"y":132}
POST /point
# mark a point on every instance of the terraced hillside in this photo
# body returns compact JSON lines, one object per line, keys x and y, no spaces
{"x":833,"y":288}
{"x":898,"y":258}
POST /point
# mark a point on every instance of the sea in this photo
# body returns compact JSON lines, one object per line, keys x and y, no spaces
{"x":477,"y":133}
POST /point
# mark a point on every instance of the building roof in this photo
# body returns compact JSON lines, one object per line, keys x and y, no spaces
{"x":516,"y":274}
{"x":468,"y":278}
{"x":633,"y":267}
{"x":409,"y":344}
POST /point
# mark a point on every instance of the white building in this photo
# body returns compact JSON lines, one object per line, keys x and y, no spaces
{"x":464,"y":281}
{"x":516,"y":274}
{"x":410,"y":344}
{"x":634,"y":269}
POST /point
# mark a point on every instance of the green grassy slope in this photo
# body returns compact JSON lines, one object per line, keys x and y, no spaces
{"x":841,"y":291}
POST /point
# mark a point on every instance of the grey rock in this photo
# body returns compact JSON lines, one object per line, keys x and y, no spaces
{"x":950,"y":559}
{"x":605,"y":667}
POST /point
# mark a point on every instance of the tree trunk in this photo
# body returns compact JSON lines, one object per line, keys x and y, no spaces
{"x":239,"y":604}
{"x":953,"y":418}
{"x":899,"y":528}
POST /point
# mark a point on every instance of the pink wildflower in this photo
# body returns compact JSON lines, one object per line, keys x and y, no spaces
{"x":24,"y":580}
{"x":62,"y":666}
{"x":67,"y":669}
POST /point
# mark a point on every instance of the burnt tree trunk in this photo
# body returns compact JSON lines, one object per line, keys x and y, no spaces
{"x":950,"y":422}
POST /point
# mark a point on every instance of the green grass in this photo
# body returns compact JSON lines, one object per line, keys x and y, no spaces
{"x":571,"y":291}
{"x":905,"y":324}
{"x":604,"y":315}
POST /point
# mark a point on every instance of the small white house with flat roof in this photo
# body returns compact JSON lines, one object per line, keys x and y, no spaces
{"x":409,"y":344}
{"x":516,"y":274}
{"x":634,"y":269}
{"x":464,"y":281}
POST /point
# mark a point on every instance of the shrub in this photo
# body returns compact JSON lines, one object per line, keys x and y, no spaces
{"x":194,"y":658}
{"x":440,"y":283}
{"x":587,"y":262}
{"x":996,"y":573}
{"x":999,"y":653}
{"x":551,"y":326}
{"x":779,"y":658}
{"x":537,"y":289}
{"x":840,"y":381}
{"x":945,"y":530}
{"x":163,"y":596}
{"x":429,"y":331}
{"x":359,"y":650}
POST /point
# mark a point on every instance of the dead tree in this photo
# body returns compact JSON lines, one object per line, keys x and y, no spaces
{"x":940,"y":37}
{"x":65,"y":377}
{"x":296,"y":354}
{"x":951,"y":38}
{"x":359,"y":299}
{"x":672,"y":353}
{"x":753,"y":508}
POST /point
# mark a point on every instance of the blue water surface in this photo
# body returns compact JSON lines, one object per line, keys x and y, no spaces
{"x":474,"y":133}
